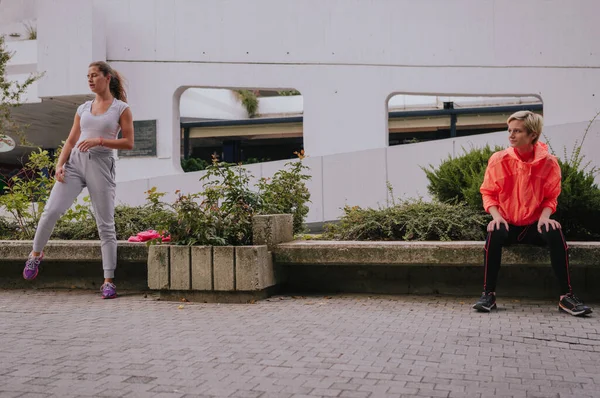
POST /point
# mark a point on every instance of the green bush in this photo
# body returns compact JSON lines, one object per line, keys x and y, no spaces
{"x":193,"y":164}
{"x":459,"y":179}
{"x":578,"y":208}
{"x":256,"y":160}
{"x":249,"y":100}
{"x":79,"y":223}
{"x":26,"y":193}
{"x":220,"y":214}
{"x":287,"y":93}
{"x":129,"y":220}
{"x":69,"y":230}
{"x":410,"y":220}
{"x":286,"y":193}
{"x":8,"y":230}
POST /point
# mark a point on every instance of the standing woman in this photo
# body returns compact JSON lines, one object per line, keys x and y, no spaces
{"x":87,"y":160}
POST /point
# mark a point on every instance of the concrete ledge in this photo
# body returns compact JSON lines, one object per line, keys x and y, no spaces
{"x":208,"y":268}
{"x":422,"y":253}
{"x":272,"y":229}
{"x":305,"y":266}
{"x":73,"y":265}
{"x":72,"y":250}
{"x":454,"y":268}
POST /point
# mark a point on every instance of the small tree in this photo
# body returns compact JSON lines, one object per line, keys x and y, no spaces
{"x":10,"y":95}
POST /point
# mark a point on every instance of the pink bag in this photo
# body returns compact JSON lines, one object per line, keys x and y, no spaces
{"x":145,"y":236}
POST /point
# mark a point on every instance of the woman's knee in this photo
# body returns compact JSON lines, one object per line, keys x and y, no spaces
{"x":500,"y":234}
{"x":552,"y":235}
{"x":107,"y":231}
{"x":51,"y":213}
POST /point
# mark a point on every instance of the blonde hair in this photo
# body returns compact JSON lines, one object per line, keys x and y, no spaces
{"x":532,"y":122}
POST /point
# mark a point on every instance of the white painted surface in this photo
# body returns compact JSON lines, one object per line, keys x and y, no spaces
{"x":292,"y":105}
{"x":211,"y":104}
{"x":347,"y":57}
{"x":403,"y":102}
{"x":224,"y":104}
{"x":359,"y":179}
{"x":71,"y":35}
{"x":21,"y":65}
{"x":24,"y":56}
{"x":14,"y":15}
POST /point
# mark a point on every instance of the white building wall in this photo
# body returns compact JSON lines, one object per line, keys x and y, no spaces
{"x":359,"y":178}
{"x":22,"y":64}
{"x":347,"y":57}
{"x":70,"y":35}
{"x":211,"y":104}
{"x":13,"y":16}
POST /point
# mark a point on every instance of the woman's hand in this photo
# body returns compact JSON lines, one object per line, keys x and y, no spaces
{"x":549,"y":223}
{"x":59,"y":174}
{"x":85,"y":145}
{"x":494,"y":225}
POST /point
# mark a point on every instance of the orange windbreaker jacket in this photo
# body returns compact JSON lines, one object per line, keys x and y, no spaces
{"x":521,"y":190}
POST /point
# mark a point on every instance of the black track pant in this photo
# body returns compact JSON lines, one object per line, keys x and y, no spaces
{"x":554,"y":239}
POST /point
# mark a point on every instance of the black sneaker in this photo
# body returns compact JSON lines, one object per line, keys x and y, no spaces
{"x":486,"y":303}
{"x":573,"y":305}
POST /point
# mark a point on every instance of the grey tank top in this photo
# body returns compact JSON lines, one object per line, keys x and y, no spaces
{"x":105,"y":125}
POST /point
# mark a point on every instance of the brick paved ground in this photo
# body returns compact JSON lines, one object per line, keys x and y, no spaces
{"x":74,"y":344}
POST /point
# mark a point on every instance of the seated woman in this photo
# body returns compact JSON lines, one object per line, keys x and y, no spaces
{"x":520,"y":191}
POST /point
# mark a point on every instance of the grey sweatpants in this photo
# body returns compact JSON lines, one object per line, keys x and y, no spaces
{"x":97,"y":172}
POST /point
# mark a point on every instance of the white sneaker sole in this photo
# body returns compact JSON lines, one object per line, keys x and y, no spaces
{"x":574,"y":313}
{"x":483,"y":308}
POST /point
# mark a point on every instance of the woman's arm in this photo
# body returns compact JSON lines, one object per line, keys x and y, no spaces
{"x":67,"y":148}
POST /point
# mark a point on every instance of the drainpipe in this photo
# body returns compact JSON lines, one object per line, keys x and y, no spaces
{"x":453,"y":117}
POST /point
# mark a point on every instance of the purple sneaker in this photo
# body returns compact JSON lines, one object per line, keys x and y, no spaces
{"x":109,"y":290}
{"x":32,"y":266}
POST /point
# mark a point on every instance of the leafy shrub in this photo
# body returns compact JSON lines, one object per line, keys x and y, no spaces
{"x":578,"y":208}
{"x":193,"y":164}
{"x":410,"y":220}
{"x":79,"y":223}
{"x":249,"y":100}
{"x":129,"y":220}
{"x":287,"y":93}
{"x":70,"y":230}
{"x":286,"y":193}
{"x":8,"y":229}
{"x":256,"y":160}
{"x":459,"y":179}
{"x":27,"y":192}
{"x":222,"y":213}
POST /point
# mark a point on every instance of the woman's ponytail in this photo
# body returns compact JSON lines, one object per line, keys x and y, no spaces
{"x":116,"y":85}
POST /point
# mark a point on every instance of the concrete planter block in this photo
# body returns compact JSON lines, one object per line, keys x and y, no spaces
{"x":158,"y":267}
{"x":202,"y":264}
{"x":224,"y":268}
{"x":272,"y":229}
{"x":253,"y":268}
{"x":180,"y":268}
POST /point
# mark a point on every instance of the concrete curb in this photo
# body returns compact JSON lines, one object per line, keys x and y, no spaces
{"x":422,"y":253}
{"x":72,"y":251}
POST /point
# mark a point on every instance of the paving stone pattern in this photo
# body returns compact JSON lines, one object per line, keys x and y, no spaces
{"x":73,"y":344}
